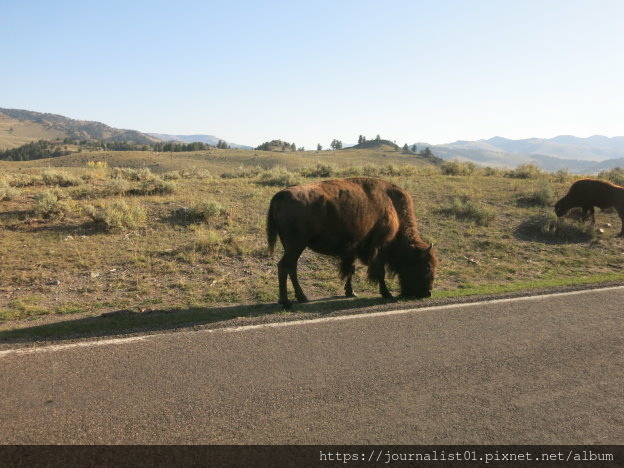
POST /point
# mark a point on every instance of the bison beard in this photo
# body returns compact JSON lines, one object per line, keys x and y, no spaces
{"x":363,"y":218}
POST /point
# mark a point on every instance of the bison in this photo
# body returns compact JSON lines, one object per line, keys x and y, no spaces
{"x":587,"y":193}
{"x":365,"y":218}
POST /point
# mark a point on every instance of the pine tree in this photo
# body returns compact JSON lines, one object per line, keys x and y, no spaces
{"x":336,"y":144}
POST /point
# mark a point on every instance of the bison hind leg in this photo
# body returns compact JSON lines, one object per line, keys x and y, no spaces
{"x":620,"y":212}
{"x":287,"y":266}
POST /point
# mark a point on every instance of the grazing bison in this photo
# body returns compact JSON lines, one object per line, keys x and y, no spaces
{"x":363,"y":218}
{"x":587,"y":193}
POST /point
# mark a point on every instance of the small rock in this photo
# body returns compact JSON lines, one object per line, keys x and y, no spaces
{"x":54,"y":283}
{"x":94,"y":274}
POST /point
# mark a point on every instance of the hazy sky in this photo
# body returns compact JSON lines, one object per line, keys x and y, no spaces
{"x":310,"y":71}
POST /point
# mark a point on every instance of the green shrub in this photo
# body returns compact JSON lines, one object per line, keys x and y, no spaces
{"x":7,"y":192}
{"x":279,"y":176}
{"x":59,"y":178}
{"x":158,"y":186}
{"x":154,"y":186}
{"x":352,"y":171}
{"x":117,"y":186}
{"x":466,"y":209}
{"x":242,"y":172}
{"x":49,"y":204}
{"x":136,"y":175}
{"x":205,"y":211}
{"x":458,"y":168}
{"x":320,"y":170}
{"x":615,"y":175}
{"x":117,"y":215}
{"x":24,"y":180}
{"x":525,"y":171}
{"x":206,"y":241}
{"x":379,"y":170}
{"x":172,"y":175}
{"x":82,"y":192}
{"x":492,"y":172}
{"x":543,"y":196}
{"x":561,"y":175}
{"x":97,"y":170}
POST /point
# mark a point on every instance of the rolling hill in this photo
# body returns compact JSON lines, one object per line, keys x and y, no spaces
{"x":19,"y":126}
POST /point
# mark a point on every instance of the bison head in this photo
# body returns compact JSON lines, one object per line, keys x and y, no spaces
{"x":561,"y":207}
{"x":416,"y":271}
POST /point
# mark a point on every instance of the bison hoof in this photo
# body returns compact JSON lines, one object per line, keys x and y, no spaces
{"x":302,"y":299}
{"x":351,"y":294}
{"x":286,"y":304}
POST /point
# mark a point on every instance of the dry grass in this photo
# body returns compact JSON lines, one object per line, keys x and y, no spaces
{"x":203,"y":244}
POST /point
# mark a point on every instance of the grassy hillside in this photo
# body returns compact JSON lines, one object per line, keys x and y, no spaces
{"x":14,"y":132}
{"x":218,"y":160}
{"x":183,"y":234}
{"x":19,"y":126}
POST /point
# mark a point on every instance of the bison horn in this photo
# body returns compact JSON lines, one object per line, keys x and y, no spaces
{"x":429,"y":248}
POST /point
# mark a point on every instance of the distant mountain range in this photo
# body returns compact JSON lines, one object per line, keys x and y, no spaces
{"x":209,"y":139}
{"x":580,"y":155}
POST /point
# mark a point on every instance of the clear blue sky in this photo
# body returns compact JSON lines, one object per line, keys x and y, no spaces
{"x":311,"y":71}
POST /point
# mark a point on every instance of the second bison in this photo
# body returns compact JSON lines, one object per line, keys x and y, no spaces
{"x":588,"y":193}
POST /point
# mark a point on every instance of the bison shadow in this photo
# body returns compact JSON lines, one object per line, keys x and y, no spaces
{"x":124,"y":322}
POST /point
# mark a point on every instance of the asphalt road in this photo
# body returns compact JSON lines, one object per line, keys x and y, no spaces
{"x":542,"y":370}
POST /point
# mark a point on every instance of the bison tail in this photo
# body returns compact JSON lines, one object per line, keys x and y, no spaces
{"x":271,"y":228}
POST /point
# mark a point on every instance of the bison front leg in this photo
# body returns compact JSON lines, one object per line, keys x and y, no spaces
{"x":588,"y":211}
{"x":383,"y":289}
{"x":377,"y":272}
{"x":347,"y":269}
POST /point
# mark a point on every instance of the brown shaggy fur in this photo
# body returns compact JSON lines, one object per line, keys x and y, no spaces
{"x":364,"y":218}
{"x":587,"y":193}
